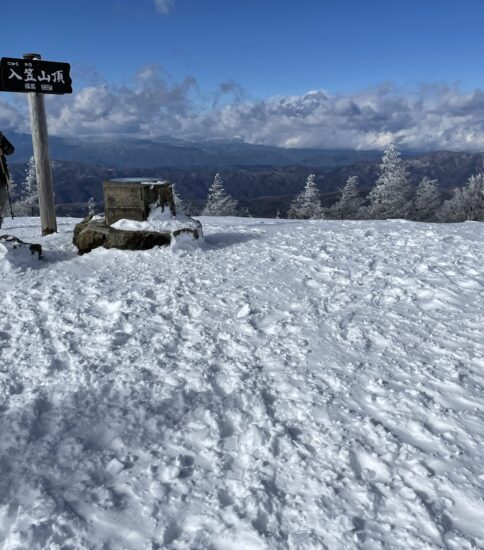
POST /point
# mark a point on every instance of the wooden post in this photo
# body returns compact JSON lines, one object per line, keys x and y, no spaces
{"x":43,"y":168}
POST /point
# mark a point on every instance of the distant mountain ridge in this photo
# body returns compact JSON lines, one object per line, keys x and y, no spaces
{"x":123,"y":153}
{"x":263,"y":178}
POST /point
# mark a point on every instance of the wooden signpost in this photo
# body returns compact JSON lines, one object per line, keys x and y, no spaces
{"x":36,"y":77}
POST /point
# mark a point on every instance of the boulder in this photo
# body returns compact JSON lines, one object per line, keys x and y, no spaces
{"x":14,"y":243}
{"x":136,"y":240}
{"x":93,"y":232}
{"x":89,"y":234}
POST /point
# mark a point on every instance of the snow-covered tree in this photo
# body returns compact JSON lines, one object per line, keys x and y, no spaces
{"x":427,"y":200}
{"x":179,"y":205}
{"x":350,"y":201}
{"x":467,"y":203}
{"x":243,"y":212}
{"x":91,"y":206}
{"x":390,"y":198}
{"x":219,"y":203}
{"x":278,"y":215}
{"x":307,"y":205}
{"x":452,"y":210}
{"x":474,"y":198}
{"x":29,"y":197}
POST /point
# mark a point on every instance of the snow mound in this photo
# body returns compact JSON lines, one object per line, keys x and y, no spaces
{"x":14,"y":257}
{"x":158,"y":220}
{"x":4,"y":263}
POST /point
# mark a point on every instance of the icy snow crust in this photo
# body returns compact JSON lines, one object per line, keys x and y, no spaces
{"x":291,"y":385}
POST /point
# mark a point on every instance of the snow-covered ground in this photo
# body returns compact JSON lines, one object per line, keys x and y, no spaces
{"x":292,"y":384}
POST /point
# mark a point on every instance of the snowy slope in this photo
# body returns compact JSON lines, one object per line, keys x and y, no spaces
{"x":293,"y":384}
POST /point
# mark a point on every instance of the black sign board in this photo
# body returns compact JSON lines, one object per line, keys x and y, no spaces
{"x":34,"y":75}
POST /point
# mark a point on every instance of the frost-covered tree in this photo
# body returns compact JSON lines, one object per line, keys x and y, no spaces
{"x":364,"y":212}
{"x":350,"y":202}
{"x":243,"y":211}
{"x":427,"y":200}
{"x":91,"y":206}
{"x":390,"y":198}
{"x":179,"y":205}
{"x":452,"y":210}
{"x":473,"y":192}
{"x":307,"y":205}
{"x":29,"y":197}
{"x":467,"y":203}
{"x":219,"y":203}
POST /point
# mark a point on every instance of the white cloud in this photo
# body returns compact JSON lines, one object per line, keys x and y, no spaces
{"x":164,"y":6}
{"x":11,"y":116}
{"x":432,"y":117}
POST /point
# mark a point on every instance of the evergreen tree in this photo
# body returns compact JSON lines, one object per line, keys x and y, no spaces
{"x":350,"y":201}
{"x":179,"y":204}
{"x":307,"y":205}
{"x":452,"y":210}
{"x":427,"y":200}
{"x":29,"y":197}
{"x":390,"y":198}
{"x":243,"y":212}
{"x":278,"y":215}
{"x":219,"y":203}
{"x":473,"y":197}
{"x":364,"y":212}
{"x":467,"y":203}
{"x":91,"y":206}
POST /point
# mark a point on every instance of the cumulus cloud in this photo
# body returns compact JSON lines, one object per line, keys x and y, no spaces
{"x":12,"y":117}
{"x":164,"y":6}
{"x":152,"y":105}
{"x":431,"y":117}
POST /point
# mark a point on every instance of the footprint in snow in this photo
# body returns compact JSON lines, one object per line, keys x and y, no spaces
{"x":244,"y":311}
{"x":468,"y":284}
{"x":230,"y":444}
{"x":235,"y":475}
{"x":299,"y":537}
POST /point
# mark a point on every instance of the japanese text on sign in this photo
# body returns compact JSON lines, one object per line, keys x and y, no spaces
{"x":20,"y":75}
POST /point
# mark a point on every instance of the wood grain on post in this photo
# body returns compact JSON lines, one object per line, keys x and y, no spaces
{"x":43,"y":168}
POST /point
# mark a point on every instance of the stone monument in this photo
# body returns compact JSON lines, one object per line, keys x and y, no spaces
{"x":139,"y":214}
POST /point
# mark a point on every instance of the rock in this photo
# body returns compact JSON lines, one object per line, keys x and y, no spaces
{"x":14,"y":243}
{"x":196,"y":233}
{"x":136,"y":240}
{"x":92,"y":233}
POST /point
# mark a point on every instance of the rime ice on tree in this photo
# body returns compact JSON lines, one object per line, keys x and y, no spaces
{"x":307,"y":205}
{"x":390,"y":198}
{"x":29,"y":194}
{"x":91,"y":206}
{"x":179,"y":205}
{"x":427,"y":200}
{"x":350,"y":201}
{"x":467,"y":203}
{"x":474,"y":198}
{"x":219,"y":203}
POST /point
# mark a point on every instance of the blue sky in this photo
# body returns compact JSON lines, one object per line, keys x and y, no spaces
{"x":267,"y":46}
{"x":257,"y":50}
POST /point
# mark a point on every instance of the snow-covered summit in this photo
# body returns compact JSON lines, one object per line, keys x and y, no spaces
{"x":291,"y":384}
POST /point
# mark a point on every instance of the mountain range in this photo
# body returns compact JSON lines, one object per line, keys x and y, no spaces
{"x":125,"y":153}
{"x":263,"y":178}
